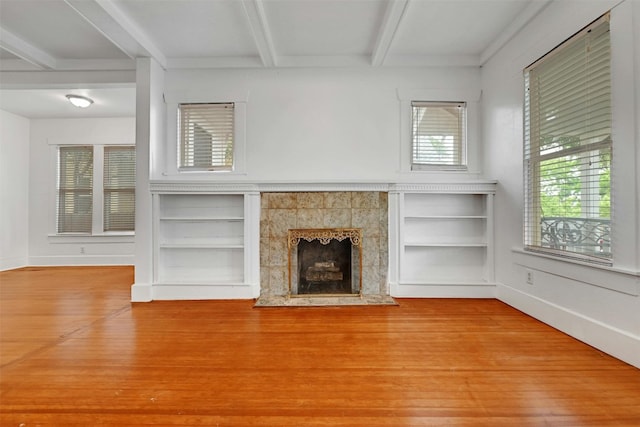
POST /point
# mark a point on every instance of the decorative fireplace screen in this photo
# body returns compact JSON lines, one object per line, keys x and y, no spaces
{"x":325,"y":261}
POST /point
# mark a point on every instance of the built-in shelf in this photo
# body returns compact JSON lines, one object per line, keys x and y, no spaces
{"x":201,"y":239}
{"x":443,"y":239}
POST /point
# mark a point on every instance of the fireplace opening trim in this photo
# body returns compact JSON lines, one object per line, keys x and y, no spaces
{"x":324,"y":236}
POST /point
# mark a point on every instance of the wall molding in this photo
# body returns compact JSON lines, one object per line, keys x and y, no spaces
{"x":205,"y":186}
{"x":72,"y":260}
{"x":613,"y":341}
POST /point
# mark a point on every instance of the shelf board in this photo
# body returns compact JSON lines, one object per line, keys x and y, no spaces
{"x":446,"y":283}
{"x":444,"y":245}
{"x":201,"y":246}
{"x":200,"y":218}
{"x":436,"y":217}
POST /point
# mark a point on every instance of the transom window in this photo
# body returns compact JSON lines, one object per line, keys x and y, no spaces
{"x":438,"y":135}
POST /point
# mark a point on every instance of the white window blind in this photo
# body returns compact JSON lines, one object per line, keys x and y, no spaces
{"x":438,"y":135}
{"x":568,"y":145}
{"x":206,"y":136}
{"x":75,"y":189}
{"x":119,"y":188}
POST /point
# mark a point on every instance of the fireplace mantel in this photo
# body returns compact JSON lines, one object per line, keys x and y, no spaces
{"x":220,"y":186}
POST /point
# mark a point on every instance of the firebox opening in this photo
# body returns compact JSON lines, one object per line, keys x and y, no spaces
{"x":324,"y":269}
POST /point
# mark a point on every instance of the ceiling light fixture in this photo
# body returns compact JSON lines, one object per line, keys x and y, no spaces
{"x":80,"y":101}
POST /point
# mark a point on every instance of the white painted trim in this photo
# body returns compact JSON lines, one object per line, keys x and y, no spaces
{"x":392,"y":21}
{"x":203,"y":186}
{"x":25,"y":50}
{"x":202,"y":292}
{"x":618,"y":343}
{"x":13,"y":263}
{"x":71,"y":260}
{"x":109,"y":19}
{"x":141,"y":292}
{"x":619,"y":280}
{"x":478,"y":290}
{"x":255,"y":14}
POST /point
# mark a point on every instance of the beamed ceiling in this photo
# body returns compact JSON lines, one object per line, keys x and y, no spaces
{"x":97,"y":35}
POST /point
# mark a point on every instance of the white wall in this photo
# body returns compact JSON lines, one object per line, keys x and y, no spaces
{"x":14,"y":190}
{"x":597,"y":305}
{"x":320,"y":124}
{"x":45,"y":248}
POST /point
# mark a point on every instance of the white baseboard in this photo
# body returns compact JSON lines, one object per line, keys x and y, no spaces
{"x":202,"y":292}
{"x":72,"y":260}
{"x":475,"y":290}
{"x":141,"y":292}
{"x":617,"y":343}
{"x":13,"y":263}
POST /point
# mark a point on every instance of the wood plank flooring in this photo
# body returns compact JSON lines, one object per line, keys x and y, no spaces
{"x":74,"y":351}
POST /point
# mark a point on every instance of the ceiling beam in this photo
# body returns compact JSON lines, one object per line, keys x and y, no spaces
{"x":106,"y":17}
{"x":261,"y":32}
{"x":390,"y":25}
{"x":523,"y":18}
{"x":24,"y":50}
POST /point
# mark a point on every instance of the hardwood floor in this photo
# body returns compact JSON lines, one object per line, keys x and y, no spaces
{"x":74,"y":351}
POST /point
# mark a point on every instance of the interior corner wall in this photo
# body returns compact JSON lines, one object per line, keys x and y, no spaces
{"x":45,"y":248}
{"x":14,"y":190}
{"x":599,"y":306}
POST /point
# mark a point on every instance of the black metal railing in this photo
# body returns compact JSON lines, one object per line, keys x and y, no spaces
{"x":590,"y":236}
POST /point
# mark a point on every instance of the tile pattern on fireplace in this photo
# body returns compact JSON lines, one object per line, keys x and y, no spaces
{"x":349,"y":209}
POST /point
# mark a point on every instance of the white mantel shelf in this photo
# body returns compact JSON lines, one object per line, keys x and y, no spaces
{"x":454,"y":186}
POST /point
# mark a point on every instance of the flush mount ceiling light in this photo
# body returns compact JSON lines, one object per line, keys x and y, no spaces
{"x":80,"y":101}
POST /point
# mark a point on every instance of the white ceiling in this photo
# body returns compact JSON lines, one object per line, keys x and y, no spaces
{"x":88,"y":35}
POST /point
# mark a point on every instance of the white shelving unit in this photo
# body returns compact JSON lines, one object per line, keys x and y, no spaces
{"x":443,"y":242}
{"x":204,"y":245}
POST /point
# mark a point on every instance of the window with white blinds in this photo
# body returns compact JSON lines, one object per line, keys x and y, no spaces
{"x":438,"y":135}
{"x":206,"y":136}
{"x":119,"y":185}
{"x":568,"y":144}
{"x":75,"y":189}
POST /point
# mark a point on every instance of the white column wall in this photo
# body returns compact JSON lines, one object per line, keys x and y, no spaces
{"x":14,"y":190}
{"x":600,"y":306}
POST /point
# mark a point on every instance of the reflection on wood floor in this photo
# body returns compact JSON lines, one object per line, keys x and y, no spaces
{"x":75,"y":351}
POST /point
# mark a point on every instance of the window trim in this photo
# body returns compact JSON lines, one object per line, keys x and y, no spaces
{"x":531,"y":229}
{"x":456,"y":166}
{"x":472,"y":99}
{"x":97,"y":233}
{"x":168,"y":166}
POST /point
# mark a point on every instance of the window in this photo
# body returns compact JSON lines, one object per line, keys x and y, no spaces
{"x":75,"y":189}
{"x":206,"y":137}
{"x":568,"y":143}
{"x":119,"y":188}
{"x":438,"y":135}
{"x":96,"y":189}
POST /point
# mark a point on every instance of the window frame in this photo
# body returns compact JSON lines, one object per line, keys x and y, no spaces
{"x":166,"y":161}
{"x":459,"y":146}
{"x":216,"y":109}
{"x":534,"y":156}
{"x":97,"y":224}
{"x":470,"y":96}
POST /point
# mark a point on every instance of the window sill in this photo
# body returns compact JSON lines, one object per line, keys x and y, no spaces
{"x":613,"y":278}
{"x":119,"y":237}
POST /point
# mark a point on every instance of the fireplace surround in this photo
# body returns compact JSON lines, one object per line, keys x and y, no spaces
{"x":285,"y":211}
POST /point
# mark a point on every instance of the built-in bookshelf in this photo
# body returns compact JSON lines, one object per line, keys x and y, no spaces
{"x":444,"y":239}
{"x":205,"y":240}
